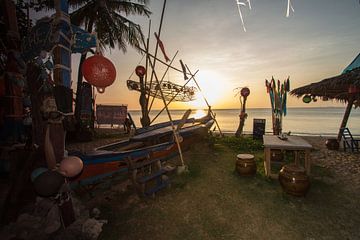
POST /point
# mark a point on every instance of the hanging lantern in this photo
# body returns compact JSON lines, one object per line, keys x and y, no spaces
{"x":140,"y":71}
{"x":353,"y":89}
{"x":325,"y":98}
{"x":99,"y":72}
{"x":71,"y":166}
{"x":245,"y":92}
{"x":306,"y":99}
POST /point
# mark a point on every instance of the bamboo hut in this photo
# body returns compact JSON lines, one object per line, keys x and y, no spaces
{"x":342,"y":88}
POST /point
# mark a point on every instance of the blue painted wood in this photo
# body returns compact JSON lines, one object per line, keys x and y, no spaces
{"x":147,"y":178}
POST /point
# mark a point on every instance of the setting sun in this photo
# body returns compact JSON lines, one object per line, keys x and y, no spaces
{"x":212,"y":88}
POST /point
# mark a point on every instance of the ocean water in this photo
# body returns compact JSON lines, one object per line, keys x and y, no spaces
{"x":306,"y":121}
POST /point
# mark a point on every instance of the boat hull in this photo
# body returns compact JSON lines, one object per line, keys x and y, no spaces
{"x":108,"y":160}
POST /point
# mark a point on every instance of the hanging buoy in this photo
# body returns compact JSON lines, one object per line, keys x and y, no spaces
{"x":71,"y":166}
{"x":48,"y":183}
{"x":306,"y":99}
{"x":99,"y":72}
{"x":245,"y":92}
{"x":140,"y":71}
{"x":37,"y":172}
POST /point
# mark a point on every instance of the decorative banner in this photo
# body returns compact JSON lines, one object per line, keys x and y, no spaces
{"x":289,"y":7}
{"x":162,"y":48}
{"x":111,"y":114}
{"x":43,"y":37}
{"x":239,"y":3}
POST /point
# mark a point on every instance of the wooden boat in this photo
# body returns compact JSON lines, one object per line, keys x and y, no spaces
{"x":154,"y":142}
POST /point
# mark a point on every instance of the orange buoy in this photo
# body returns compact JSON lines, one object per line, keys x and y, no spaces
{"x":99,"y":72}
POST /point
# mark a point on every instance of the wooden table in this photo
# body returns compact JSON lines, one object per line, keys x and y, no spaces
{"x":293,"y":143}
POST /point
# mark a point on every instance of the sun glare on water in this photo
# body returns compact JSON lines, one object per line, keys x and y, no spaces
{"x":199,"y":113}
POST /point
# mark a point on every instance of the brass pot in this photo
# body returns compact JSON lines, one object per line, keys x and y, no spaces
{"x":293,"y":180}
{"x":245,"y":165}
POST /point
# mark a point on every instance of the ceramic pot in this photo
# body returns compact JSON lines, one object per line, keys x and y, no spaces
{"x":245,"y":165}
{"x":293,"y":180}
{"x":332,"y":144}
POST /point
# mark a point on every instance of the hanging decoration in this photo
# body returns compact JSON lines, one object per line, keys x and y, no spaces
{"x":162,"y":48}
{"x":306,"y":99}
{"x":289,"y":8}
{"x":99,"y":72}
{"x":181,"y":93}
{"x":278,"y":98}
{"x":239,"y":4}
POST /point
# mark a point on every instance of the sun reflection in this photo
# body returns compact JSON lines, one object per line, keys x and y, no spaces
{"x":199,"y":114}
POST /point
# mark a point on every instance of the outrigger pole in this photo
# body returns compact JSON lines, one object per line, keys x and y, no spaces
{"x":207,"y":103}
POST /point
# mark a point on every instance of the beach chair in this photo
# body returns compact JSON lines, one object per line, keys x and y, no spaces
{"x":348,"y":141}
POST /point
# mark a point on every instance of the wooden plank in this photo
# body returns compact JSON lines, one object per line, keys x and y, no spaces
{"x":292,"y":143}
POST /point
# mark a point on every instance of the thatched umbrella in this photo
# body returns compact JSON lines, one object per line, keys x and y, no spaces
{"x":342,"y":88}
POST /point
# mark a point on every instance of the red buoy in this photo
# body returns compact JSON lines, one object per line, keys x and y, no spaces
{"x":99,"y":72}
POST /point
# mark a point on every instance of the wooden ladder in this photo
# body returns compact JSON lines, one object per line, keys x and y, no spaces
{"x":147,"y":175}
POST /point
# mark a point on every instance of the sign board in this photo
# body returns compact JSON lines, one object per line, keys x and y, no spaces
{"x":258,"y":128}
{"x":44,"y":35}
{"x":111,"y":114}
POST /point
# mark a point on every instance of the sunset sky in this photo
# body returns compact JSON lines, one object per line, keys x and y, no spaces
{"x":317,"y":41}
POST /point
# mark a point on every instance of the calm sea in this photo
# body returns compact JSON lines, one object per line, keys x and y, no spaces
{"x":307,"y":121}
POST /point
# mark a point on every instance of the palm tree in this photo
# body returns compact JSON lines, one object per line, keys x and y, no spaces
{"x":108,"y":18}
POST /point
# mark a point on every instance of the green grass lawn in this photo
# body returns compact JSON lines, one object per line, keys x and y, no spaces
{"x":213,"y":202}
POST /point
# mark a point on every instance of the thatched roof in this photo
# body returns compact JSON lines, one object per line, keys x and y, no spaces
{"x":334,"y":88}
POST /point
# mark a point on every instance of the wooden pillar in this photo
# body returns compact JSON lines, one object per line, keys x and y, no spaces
{"x":62,"y":79}
{"x":345,"y":118}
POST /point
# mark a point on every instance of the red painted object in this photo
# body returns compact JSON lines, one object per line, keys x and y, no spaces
{"x":245,"y":92}
{"x":99,"y":72}
{"x":140,"y":71}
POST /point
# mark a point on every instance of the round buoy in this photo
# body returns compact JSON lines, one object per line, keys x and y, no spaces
{"x":48,"y":183}
{"x":71,"y":166}
{"x":37,"y":172}
{"x":245,"y":92}
{"x":99,"y":72}
{"x":140,"y":71}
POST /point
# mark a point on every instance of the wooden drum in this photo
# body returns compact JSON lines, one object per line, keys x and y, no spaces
{"x":245,"y":165}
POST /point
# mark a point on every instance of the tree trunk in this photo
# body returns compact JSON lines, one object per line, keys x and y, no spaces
{"x":78,"y":101}
{"x":242,"y":120}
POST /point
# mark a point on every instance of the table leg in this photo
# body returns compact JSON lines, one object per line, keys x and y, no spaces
{"x":297,"y":161}
{"x":267,"y":164}
{"x":307,"y":161}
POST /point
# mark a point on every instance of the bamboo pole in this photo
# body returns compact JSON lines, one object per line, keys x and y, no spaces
{"x":169,"y":115}
{"x":157,"y":44}
{"x":167,"y":69}
{"x":207,"y":103}
{"x":173,"y":98}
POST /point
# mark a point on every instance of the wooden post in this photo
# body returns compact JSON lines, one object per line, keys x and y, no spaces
{"x":346,"y":117}
{"x":62,"y":77}
{"x":242,"y":119}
